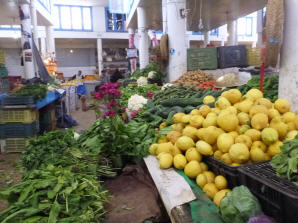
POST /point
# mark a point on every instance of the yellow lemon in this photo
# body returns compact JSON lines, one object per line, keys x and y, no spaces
{"x":259,"y":145}
{"x":228,"y":122}
{"x":204,"y":110}
{"x":190,"y":132}
{"x":173,"y":136}
{"x":192,"y":169}
{"x":185,"y":119}
{"x":204,"y":166}
{"x":193,"y":154}
{"x":196,"y":121}
{"x":210,"y":190}
{"x":178,"y":127}
{"x":254,"y":94}
{"x":201,"y":180}
{"x":210,"y":121}
{"x":177,"y":118}
{"x":288,"y":117}
{"x":220,"y":182}
{"x":179,"y":161}
{"x":210,"y":176}
{"x":272,"y":113}
{"x":259,"y":121}
{"x":254,"y":134}
{"x":165,"y":160}
{"x":226,"y":158}
{"x":264,"y":101}
{"x":184,"y":143}
{"x":195,"y":112}
{"x":244,"y":139}
{"x":282,"y":105}
{"x":164,"y":147}
{"x":224,"y":142}
{"x":208,"y":99}
{"x":255,"y":109}
{"x":269,"y":136}
{"x":222,"y":103}
{"x":153,"y":149}
{"x":217,"y":154}
{"x":274,"y":148}
{"x":174,"y":151}
{"x":233,"y":95}
{"x":257,"y":155}
{"x":291,"y":135}
{"x":244,"y":106}
{"x":220,"y":195}
{"x":234,"y":134}
{"x":239,"y":153}
{"x":210,"y":135}
{"x":204,"y":148}
{"x":243,"y":118}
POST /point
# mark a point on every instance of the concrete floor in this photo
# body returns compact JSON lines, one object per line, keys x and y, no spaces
{"x":84,"y":119}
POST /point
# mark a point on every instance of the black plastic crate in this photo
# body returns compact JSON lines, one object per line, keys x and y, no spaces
{"x":18,"y":100}
{"x":278,"y":197}
{"x":231,"y":56}
{"x":18,"y":130}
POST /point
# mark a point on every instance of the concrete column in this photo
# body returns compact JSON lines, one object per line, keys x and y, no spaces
{"x":144,"y":38}
{"x":43,"y":47}
{"x":206,"y":38}
{"x":99,"y":56}
{"x":34,"y":22}
{"x":164,"y":16}
{"x":50,"y":41}
{"x":288,"y":77}
{"x":26,"y":40}
{"x":177,"y":44}
{"x":232,"y":31}
{"x":260,"y":28}
{"x":131,"y":45}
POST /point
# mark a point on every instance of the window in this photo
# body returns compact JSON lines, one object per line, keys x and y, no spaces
{"x":213,"y":32}
{"x":245,"y":26}
{"x":115,"y":22}
{"x":73,"y":18}
{"x":46,"y":4}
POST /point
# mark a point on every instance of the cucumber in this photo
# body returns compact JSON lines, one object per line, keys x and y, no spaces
{"x":183,"y":102}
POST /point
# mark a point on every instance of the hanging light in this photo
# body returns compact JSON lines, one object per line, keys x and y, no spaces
{"x":71,"y":51}
{"x":201,"y":26}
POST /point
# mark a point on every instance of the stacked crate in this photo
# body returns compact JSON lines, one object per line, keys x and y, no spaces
{"x":4,"y":82}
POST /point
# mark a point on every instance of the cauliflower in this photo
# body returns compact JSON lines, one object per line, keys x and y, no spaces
{"x":151,"y":74}
{"x":136,"y":102}
{"x":142,"y":81}
{"x":166,"y":85}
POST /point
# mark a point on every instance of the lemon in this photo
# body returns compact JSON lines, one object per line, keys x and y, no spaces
{"x":162,"y":125}
{"x":288,"y":117}
{"x":264,"y":101}
{"x":179,"y":161}
{"x":254,"y":134}
{"x":220,"y":182}
{"x":244,"y":106}
{"x":210,"y":121}
{"x":226,"y":158}
{"x":215,"y":110}
{"x":153,"y":149}
{"x":224,"y":142}
{"x":272,"y":113}
{"x":233,"y":95}
{"x":269,"y":136}
{"x":254,"y":94}
{"x":244,"y":139}
{"x":208,"y":99}
{"x":232,"y":110}
{"x":291,"y":135}
{"x":201,"y":133}
{"x":164,"y":147}
{"x":267,"y":157}
{"x":177,"y":118}
{"x":291,"y":126}
{"x":257,"y":155}
{"x":239,"y":153}
{"x":204,"y":148}
{"x":222,"y":103}
{"x":210,"y":190}
{"x":259,"y":121}
{"x":235,"y":164}
{"x":204,"y":166}
{"x":190,"y":132}
{"x":184,"y":143}
{"x":259,"y":145}
{"x":255,"y":109}
{"x":210,"y":176}
{"x":228,"y":122}
{"x":201,"y":180}
{"x":274,"y":148}
{"x":185,"y":119}
{"x":192,"y":169}
{"x":162,"y":139}
{"x":280,"y":127}
{"x":282,"y":105}
{"x":195,"y":112}
{"x":173,"y":136}
{"x":243,"y":129}
{"x":243,"y":118}
{"x":196,"y":121}
{"x":233,"y":133}
{"x":177,"y":127}
{"x":220,"y":195}
{"x":204,"y":110}
{"x":193,"y":154}
{"x":210,"y":135}
{"x":296,"y":121}
{"x":165,"y":160}
{"x":217,"y":154}
{"x":174,"y":151}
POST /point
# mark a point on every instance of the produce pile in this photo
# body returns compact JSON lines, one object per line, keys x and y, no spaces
{"x":154,"y":68}
{"x":193,"y":78}
{"x":37,"y":91}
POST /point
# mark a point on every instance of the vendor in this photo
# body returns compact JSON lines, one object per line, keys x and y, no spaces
{"x":77,"y":76}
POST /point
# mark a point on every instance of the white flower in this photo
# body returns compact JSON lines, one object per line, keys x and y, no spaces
{"x":151,"y":74}
{"x":142,"y":81}
{"x":166,"y":85}
{"x":136,"y":102}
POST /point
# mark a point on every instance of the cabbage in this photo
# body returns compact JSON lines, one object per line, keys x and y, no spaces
{"x":239,"y":205}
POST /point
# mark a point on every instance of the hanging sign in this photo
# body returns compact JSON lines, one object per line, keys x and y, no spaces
{"x":132,"y":53}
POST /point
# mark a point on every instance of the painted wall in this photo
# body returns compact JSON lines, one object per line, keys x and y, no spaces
{"x":13,"y":62}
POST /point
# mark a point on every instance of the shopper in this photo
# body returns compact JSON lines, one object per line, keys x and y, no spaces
{"x":116,"y":76}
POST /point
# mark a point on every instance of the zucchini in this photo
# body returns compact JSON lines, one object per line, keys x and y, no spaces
{"x":183,"y":102}
{"x":177,"y":109}
{"x":169,"y":120}
{"x":188,"y":109}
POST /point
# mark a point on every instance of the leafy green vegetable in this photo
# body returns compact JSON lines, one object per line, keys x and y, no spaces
{"x":145,"y":71}
{"x":286,"y":163}
{"x":37,"y":91}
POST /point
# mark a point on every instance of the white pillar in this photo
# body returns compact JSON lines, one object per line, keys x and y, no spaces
{"x":26,"y":40}
{"x":99,"y":56}
{"x":164,"y":16}
{"x":34,"y":22}
{"x":43,"y":48}
{"x":288,"y":77}
{"x":144,"y":38}
{"x":260,"y":28}
{"x":50,"y":41}
{"x":206,"y":38}
{"x":232,"y":32}
{"x":177,"y":44}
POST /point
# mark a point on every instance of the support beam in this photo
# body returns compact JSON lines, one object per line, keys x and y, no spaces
{"x":26,"y":40}
{"x":260,"y":28}
{"x":144,"y":38}
{"x":34,"y":22}
{"x":176,"y":24}
{"x":99,"y":56}
{"x":288,"y":78}
{"x":164,"y":16}
{"x":43,"y":47}
{"x":50,"y":42}
{"x":232,"y":32}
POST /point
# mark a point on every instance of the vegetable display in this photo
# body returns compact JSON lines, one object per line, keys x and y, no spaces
{"x":193,"y":78}
{"x":155,"y":67}
{"x":37,"y":91}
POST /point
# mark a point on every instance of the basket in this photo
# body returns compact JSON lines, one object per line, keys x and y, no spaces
{"x":18,"y":100}
{"x":278,"y":197}
{"x":253,"y":56}
{"x":25,"y":116}
{"x":13,"y":145}
{"x":18,"y":130}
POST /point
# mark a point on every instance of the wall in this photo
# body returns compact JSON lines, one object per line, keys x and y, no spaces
{"x":13,"y":62}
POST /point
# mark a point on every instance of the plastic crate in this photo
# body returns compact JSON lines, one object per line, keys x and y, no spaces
{"x":18,"y":130}
{"x":13,"y":80}
{"x":13,"y":145}
{"x":204,"y":58}
{"x":3,"y":71}
{"x":26,"y":116}
{"x":278,"y":197}
{"x":253,"y":56}
{"x":18,"y":100}
{"x":231,"y":56}
{"x":4,"y":85}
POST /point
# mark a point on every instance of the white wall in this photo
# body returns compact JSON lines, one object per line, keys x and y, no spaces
{"x":13,"y":62}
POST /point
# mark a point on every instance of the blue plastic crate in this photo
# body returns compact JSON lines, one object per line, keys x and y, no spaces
{"x":18,"y":130}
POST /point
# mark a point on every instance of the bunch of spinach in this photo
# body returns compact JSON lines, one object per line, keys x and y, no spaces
{"x":286,"y":163}
{"x":37,"y":91}
{"x":154,"y":66}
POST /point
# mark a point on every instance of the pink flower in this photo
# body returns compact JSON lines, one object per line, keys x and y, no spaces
{"x":150,"y":94}
{"x":134,"y":113}
{"x":110,"y":113}
{"x":112,"y":104}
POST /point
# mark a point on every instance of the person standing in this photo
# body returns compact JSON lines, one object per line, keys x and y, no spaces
{"x":116,"y":76}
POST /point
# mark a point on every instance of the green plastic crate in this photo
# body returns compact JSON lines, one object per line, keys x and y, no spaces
{"x":203,"y":58}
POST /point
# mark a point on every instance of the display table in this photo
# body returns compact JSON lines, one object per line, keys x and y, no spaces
{"x":50,"y":97}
